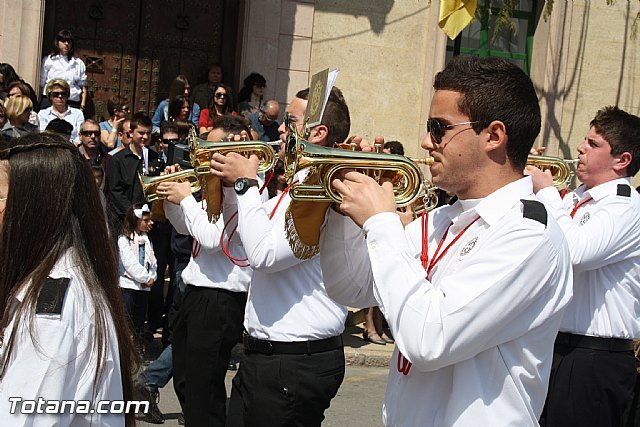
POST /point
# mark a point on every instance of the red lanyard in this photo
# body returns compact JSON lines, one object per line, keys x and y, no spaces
{"x":284,"y":193}
{"x":225,"y":249}
{"x":403,"y":365}
{"x":576,"y":207}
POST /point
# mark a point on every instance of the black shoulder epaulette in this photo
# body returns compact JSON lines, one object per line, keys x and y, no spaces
{"x":52,"y":295}
{"x":453,"y":200}
{"x":535,"y":210}
{"x":624,"y":190}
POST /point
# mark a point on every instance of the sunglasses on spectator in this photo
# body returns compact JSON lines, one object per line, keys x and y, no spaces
{"x":219,"y":95}
{"x":170,"y":140}
{"x":437,"y":129}
{"x":124,"y":109}
{"x":58,"y":94}
{"x":90,"y":132}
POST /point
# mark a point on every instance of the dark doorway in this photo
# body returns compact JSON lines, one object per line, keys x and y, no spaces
{"x":135,"y":48}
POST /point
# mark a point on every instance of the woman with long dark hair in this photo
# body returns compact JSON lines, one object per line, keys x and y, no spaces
{"x":63,"y":329}
{"x":62,"y":64}
{"x":179,"y":87}
{"x":220,"y":105}
{"x":251,"y":95}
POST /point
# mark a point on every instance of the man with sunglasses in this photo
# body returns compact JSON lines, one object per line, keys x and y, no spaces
{"x":265,"y":121}
{"x":474,"y":291}
{"x":57,"y":91}
{"x":90,"y":140}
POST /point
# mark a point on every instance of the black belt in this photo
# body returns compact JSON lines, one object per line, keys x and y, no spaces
{"x":594,"y":343}
{"x":296,"y":347}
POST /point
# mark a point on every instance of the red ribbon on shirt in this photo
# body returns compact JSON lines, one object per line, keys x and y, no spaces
{"x":403,"y":365}
{"x":576,"y":207}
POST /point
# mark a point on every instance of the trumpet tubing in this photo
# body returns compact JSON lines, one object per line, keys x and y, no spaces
{"x":561,"y":169}
{"x":200,"y":152}
{"x":150,"y":183}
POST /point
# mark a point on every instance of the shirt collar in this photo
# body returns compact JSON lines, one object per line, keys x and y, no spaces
{"x":600,"y":191}
{"x":493,"y":207}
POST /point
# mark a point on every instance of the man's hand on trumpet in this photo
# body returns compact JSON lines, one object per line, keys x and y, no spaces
{"x":363,"y":197}
{"x":232,"y":166}
{"x":174,"y":192}
{"x":541,"y":179}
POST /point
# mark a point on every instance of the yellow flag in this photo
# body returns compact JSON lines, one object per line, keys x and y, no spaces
{"x":455,"y":15}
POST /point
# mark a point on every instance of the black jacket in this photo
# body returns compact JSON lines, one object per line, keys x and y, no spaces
{"x":124,"y":185}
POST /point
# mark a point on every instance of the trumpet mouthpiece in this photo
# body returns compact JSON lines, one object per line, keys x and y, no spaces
{"x":424,"y":161}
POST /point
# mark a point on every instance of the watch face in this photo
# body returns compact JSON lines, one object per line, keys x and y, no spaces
{"x":239,"y":184}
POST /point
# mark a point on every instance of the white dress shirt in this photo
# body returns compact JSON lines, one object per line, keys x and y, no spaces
{"x":604,"y":241}
{"x":73,"y":116}
{"x":62,"y":365}
{"x":210,"y":268}
{"x":133,"y":274}
{"x":480,"y":332}
{"x":73,"y":72}
{"x":287,"y":300}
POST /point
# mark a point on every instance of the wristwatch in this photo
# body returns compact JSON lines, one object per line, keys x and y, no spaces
{"x":242,"y":185}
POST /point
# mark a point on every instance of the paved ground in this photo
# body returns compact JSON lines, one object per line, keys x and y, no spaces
{"x":359,"y":400}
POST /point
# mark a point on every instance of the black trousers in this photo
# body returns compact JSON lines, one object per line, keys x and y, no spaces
{"x":285,"y":389}
{"x":208,"y":324}
{"x":158,"y":305}
{"x":588,"y":387}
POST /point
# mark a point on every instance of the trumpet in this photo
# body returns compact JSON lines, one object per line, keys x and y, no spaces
{"x":561,"y":169}
{"x":200,"y":152}
{"x":150,"y":183}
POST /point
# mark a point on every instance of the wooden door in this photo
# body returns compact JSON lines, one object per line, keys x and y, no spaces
{"x":135,"y":48}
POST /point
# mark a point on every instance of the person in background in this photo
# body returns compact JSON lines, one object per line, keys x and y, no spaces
{"x":118,"y":109}
{"x":57,"y":91}
{"x":59,"y":127}
{"x":90,"y":141}
{"x":179,"y":87}
{"x":220,"y":106}
{"x":123,"y":181}
{"x":65,"y":333}
{"x":594,"y":368}
{"x":202,"y":94}
{"x":137,"y":267}
{"x":265,"y":121}
{"x":62,"y":64}
{"x":8,"y":76}
{"x":20,"y":88}
{"x":18,"y":109}
{"x":251,"y":95}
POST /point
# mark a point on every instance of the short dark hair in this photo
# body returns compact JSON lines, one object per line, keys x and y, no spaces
{"x":232,"y":124}
{"x":59,"y":126}
{"x":494,"y":89}
{"x":140,"y":119}
{"x":115,"y":102}
{"x":168,"y":127}
{"x":336,"y":116}
{"x":622,"y":131}
{"x":394,"y":147}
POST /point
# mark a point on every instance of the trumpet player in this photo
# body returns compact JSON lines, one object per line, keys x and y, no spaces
{"x":594,"y":369}
{"x":294,"y":359}
{"x":474,"y":291}
{"x":209,"y":321}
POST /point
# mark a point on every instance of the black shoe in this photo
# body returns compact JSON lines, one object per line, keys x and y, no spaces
{"x":233,"y":365}
{"x":144,"y":393}
{"x":181,"y":419}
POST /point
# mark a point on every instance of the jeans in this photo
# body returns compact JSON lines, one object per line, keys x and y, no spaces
{"x":160,"y":371}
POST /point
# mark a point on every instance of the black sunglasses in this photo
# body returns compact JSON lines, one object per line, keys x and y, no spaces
{"x":58,"y":94}
{"x":220,"y":95}
{"x":437,"y":129}
{"x":90,"y":133}
{"x":170,"y":140}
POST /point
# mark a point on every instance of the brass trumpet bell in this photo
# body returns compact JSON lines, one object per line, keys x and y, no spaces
{"x":150,"y":183}
{"x":561,"y":169}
